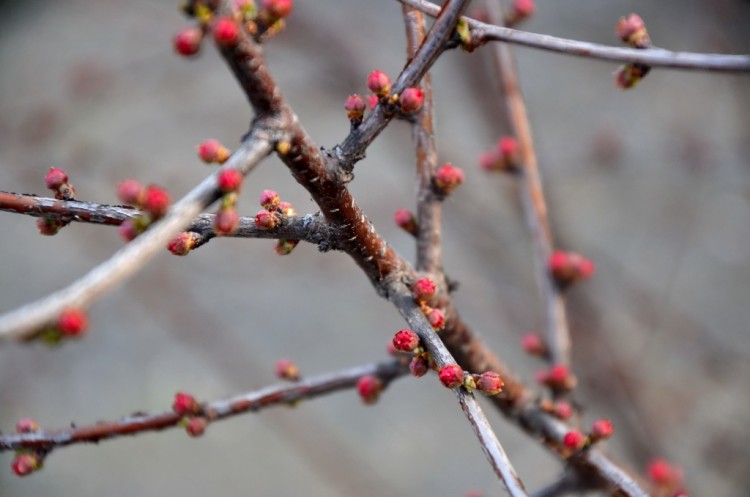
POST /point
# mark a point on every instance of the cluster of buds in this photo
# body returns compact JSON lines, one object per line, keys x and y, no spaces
{"x":192,"y":413}
{"x":505,"y":157}
{"x":272,"y":215}
{"x":561,"y":409}
{"x":568,"y":267}
{"x":228,"y":182}
{"x":213,"y":152}
{"x":574,"y":440}
{"x":407,"y":221}
{"x":447,"y":178}
{"x":287,"y":370}
{"x":453,"y":376}
{"x":273,"y":13}
{"x":534,"y":345}
{"x":407,"y":341}
{"x":632,"y":30}
{"x":57,"y":181}
{"x":519,"y":10}
{"x":423,"y":291}
{"x":666,"y":477}
{"x":558,"y":377}
{"x":27,"y":461}
{"x":153,"y":200}
{"x":369,"y":388}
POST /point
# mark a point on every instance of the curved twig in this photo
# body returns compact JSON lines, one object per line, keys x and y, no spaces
{"x":656,"y":57}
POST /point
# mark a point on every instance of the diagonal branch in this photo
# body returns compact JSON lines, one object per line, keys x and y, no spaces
{"x":216,"y":410}
{"x":482,"y":33}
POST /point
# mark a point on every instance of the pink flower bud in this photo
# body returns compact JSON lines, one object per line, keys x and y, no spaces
{"x":187,"y":42}
{"x":448,"y":178}
{"x":287,"y":209}
{"x":574,"y":440}
{"x":601,"y":429}
{"x":212,"y":151}
{"x":523,"y":8}
{"x":278,"y":9}
{"x":129,"y":229}
{"x":185,"y":404}
{"x":451,"y":375}
{"x":226,"y":222}
{"x":423,"y":289}
{"x":629,"y":75}
{"x":72,"y":322}
{"x":156,"y":201}
{"x":379,"y":83}
{"x":285,"y":246}
{"x":355,"y":107}
{"x":372,"y":101}
{"x":562,"y":410}
{"x":490,"y":383}
{"x":196,"y":426}
{"x":27,"y":425}
{"x":533,"y":344}
{"x":405,"y":340}
{"x":26,"y":463}
{"x":419,"y":366}
{"x":229,"y":180}
{"x":226,"y":31}
{"x":48,"y":226}
{"x":663,"y":473}
{"x":406,"y":221}
{"x":55,"y":178}
{"x":131,"y":192}
{"x":287,"y":370}
{"x":436,"y":319}
{"x":266,"y":220}
{"x":369,"y":388}
{"x":632,"y":30}
{"x":411,"y":100}
{"x":557,"y":377}
{"x":183,"y":243}
{"x":269,"y":200}
{"x":569,"y":267}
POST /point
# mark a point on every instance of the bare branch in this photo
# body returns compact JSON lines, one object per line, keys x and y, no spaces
{"x":482,"y":33}
{"x":216,"y":410}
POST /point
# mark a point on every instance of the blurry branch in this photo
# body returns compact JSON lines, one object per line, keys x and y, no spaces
{"x":532,"y":197}
{"x":47,"y":440}
{"x":26,"y":320}
{"x":483,"y":33}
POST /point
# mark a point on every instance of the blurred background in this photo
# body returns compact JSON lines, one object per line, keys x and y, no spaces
{"x":653,"y":184}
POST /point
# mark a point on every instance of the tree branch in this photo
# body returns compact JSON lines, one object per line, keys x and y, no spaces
{"x":656,"y":57}
{"x":216,"y":410}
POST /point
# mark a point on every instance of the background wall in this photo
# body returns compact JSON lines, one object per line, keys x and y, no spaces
{"x":653,"y":184}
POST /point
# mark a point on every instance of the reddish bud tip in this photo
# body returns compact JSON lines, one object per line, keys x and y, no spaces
{"x":27,"y":425}
{"x":533,"y":344}
{"x":523,"y":8}
{"x":448,"y":178}
{"x":508,"y":146}
{"x":663,"y":473}
{"x":156,"y":201}
{"x":423,"y":289}
{"x":372,"y":101}
{"x":26,"y":463}
{"x":187,"y":42}
{"x":632,"y":30}
{"x":419,"y":366}
{"x":601,"y":429}
{"x":285,"y":246}
{"x":405,"y":340}
{"x":226,"y":31}
{"x":131,"y":192}
{"x":629,"y":75}
{"x":226,"y":222}
{"x":266,"y":220}
{"x":490,"y":383}
{"x":451,"y":375}
{"x":55,"y":178}
{"x":569,"y":267}
{"x":229,"y":180}
{"x":278,"y":9}
{"x":436,"y":319}
{"x":379,"y":83}
{"x":287,"y":209}
{"x":355,"y":107}
{"x":557,"y":377}
{"x":129,"y":230}
{"x":406,"y":221}
{"x":196,"y":426}
{"x":72,"y":322}
{"x":212,"y":151}
{"x":574,"y":440}
{"x":48,"y":226}
{"x":411,"y":100}
{"x":185,"y":404}
{"x":369,"y":388}
{"x":269,"y":200}
{"x":562,"y":410}
{"x":287,"y":370}
{"x":183,"y":243}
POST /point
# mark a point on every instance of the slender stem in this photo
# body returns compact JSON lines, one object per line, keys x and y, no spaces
{"x":26,"y":320}
{"x":656,"y":57}
{"x":220,"y":409}
{"x":429,"y":207}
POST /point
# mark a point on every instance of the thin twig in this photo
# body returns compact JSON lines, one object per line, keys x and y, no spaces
{"x":482,"y":33}
{"x":26,"y":320}
{"x":216,"y":410}
{"x":429,"y":207}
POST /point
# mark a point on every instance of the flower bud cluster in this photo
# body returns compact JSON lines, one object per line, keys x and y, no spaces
{"x":153,"y":200}
{"x":569,"y":267}
{"x":272,"y":216}
{"x":193,"y":415}
{"x":505,"y":157}
{"x":632,"y":30}
{"x":447,"y":178}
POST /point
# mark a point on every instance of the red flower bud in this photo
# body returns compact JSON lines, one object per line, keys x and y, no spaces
{"x":533,"y":344}
{"x":226,"y":31}
{"x":490,"y":383}
{"x":48,"y":226}
{"x":196,"y":426}
{"x":601,"y":430}
{"x":355,"y":107}
{"x":229,"y":180}
{"x":632,"y":30}
{"x":557,"y":377}
{"x":629,"y":75}
{"x":569,"y":267}
{"x":574,"y":440}
{"x":419,"y":366}
{"x":278,"y":9}
{"x":156,"y":201}
{"x":185,"y":404}
{"x":131,"y":192}
{"x":187,"y":41}
{"x":406,"y":221}
{"x":287,"y":209}
{"x":379,"y":83}
{"x":448,"y":178}
{"x":26,"y":463}
{"x":27,"y":425}
{"x":183,"y":243}
{"x":411,"y":100}
{"x":451,"y":375}
{"x":563,"y":410}
{"x":72,"y":322}
{"x":212,"y":151}
{"x":55,"y":178}
{"x":372,"y":101}
{"x":129,"y":230}
{"x":663,"y":473}
{"x":369,"y":388}
{"x":269,"y":200}
{"x":266,"y":220}
{"x":423,"y":289}
{"x":226,"y":222}
{"x":287,"y":370}
{"x":436,"y":319}
{"x":524,"y":8}
{"x":405,"y":340}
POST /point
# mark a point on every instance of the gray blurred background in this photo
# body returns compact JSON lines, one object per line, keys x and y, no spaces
{"x":653,"y":184}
